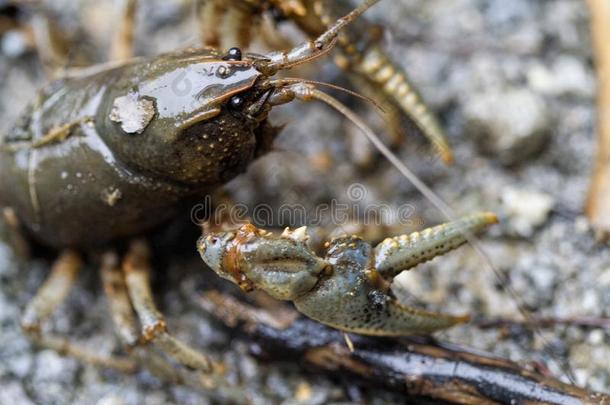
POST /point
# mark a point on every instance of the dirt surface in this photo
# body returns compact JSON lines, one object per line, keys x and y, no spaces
{"x":513,"y":84}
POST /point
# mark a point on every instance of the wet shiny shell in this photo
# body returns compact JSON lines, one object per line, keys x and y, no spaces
{"x":111,"y":153}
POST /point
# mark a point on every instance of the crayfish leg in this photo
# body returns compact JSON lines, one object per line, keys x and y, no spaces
{"x":208,"y":14}
{"x":48,"y":298}
{"x":136,"y":268}
{"x":15,"y":233}
{"x":125,"y":322}
{"x":122,"y":47}
{"x":226,"y":23}
{"x":51,"y":42}
{"x":115,"y":290}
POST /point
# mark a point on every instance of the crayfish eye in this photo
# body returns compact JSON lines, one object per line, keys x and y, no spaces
{"x":233,"y":54}
{"x":277,"y":15}
{"x":236,"y":101}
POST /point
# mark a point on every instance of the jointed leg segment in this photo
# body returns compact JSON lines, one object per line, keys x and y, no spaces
{"x":46,"y":301}
{"x":53,"y":292}
{"x":123,"y":287}
{"x":121,"y":310}
{"x":208,"y":13}
{"x":154,"y":329}
{"x":360,"y":54}
{"x":123,"y":41}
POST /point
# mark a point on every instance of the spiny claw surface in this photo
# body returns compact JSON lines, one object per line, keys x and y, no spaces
{"x":347,"y":289}
{"x":399,"y":253}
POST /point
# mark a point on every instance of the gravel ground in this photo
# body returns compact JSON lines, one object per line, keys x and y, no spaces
{"x":514,"y":85}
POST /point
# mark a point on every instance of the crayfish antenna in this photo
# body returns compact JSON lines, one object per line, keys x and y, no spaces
{"x":306,"y":92}
{"x":295,"y":80}
{"x":311,"y":50}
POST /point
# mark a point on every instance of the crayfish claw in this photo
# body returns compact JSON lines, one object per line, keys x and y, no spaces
{"x":353,"y":301}
{"x":348,"y":289}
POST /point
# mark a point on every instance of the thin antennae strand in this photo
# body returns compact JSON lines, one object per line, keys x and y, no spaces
{"x":443,"y":207}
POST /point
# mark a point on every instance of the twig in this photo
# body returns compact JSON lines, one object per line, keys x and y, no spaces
{"x":598,"y":200}
{"x":547,"y":322}
{"x":414,"y":367}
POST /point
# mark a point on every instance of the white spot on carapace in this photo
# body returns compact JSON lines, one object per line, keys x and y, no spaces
{"x":111,"y":196}
{"x":132,"y":112}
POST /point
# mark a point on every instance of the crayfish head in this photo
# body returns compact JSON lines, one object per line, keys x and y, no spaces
{"x":192,"y":117}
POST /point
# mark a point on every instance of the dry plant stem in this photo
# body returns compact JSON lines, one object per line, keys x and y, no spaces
{"x":598,"y":202}
{"x":416,"y":367}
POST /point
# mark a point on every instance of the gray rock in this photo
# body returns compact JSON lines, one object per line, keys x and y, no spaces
{"x":526,"y":39}
{"x":500,"y":12}
{"x":14,"y":44}
{"x":50,"y":366}
{"x":457,"y":53}
{"x":111,"y":399}
{"x":568,"y":75}
{"x":13,"y":393}
{"x":20,"y":364}
{"x":511,"y":125}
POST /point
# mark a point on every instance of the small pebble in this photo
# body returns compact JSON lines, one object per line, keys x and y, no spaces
{"x":525,"y":209}
{"x":13,"y":393}
{"x":596,"y":337}
{"x":567,"y":76}
{"x":510,"y":125}
{"x":14,"y":44}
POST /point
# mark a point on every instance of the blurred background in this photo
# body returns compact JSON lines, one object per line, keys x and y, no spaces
{"x":514,"y":85}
